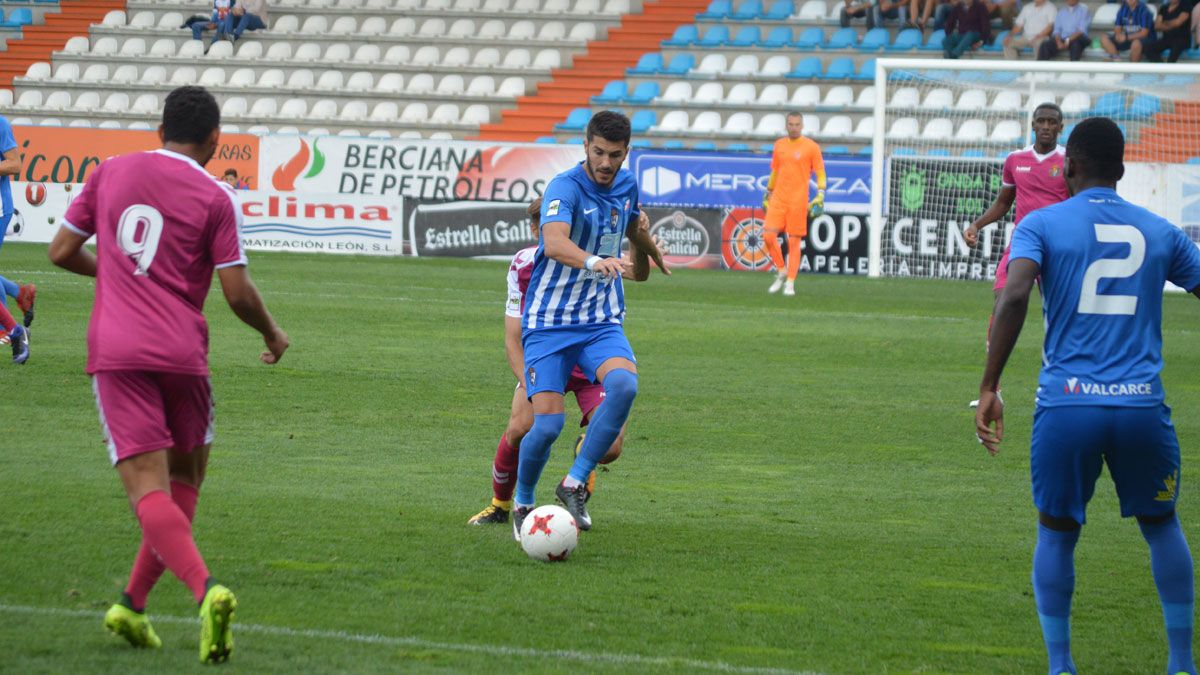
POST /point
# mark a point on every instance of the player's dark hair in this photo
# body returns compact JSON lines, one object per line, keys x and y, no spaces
{"x":1099,"y":146}
{"x":1048,"y":105}
{"x":610,"y":125}
{"x":231,"y":172}
{"x":190,"y":114}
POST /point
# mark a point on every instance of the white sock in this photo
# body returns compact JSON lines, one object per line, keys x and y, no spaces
{"x":571,"y":483}
{"x":522,"y":506}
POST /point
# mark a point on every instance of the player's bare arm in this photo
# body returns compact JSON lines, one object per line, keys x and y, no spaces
{"x":11,"y":165}
{"x":557,"y":244}
{"x":1004,"y":202}
{"x":67,"y":252}
{"x":1011,"y":309}
{"x":512,"y":347}
{"x":246,"y":302}
{"x":638,"y":232}
{"x":641,"y":262}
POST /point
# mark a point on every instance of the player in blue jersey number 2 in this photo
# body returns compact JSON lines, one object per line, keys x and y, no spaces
{"x":1103,"y":263}
{"x":574,"y":310}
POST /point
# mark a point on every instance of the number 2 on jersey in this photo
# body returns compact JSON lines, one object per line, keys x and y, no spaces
{"x":138,"y":234}
{"x":1093,"y":302}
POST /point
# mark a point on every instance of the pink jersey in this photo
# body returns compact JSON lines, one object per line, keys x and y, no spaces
{"x":519,"y":273}
{"x":162,"y":224}
{"x":1038,"y":178}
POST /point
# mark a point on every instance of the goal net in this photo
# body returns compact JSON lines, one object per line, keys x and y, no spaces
{"x":943,"y":129}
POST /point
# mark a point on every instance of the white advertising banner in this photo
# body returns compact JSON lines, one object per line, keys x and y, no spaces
{"x":313,"y":223}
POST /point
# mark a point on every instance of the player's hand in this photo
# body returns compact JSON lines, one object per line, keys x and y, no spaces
{"x":660,"y":245}
{"x":971,"y":235}
{"x":990,"y":410}
{"x":277,"y":343}
{"x":817,"y":207}
{"x":766,"y":199}
{"x":612,"y":268}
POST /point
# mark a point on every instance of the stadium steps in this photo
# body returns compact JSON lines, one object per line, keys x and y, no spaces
{"x":1171,"y":137}
{"x":604,"y":60}
{"x":39,"y":41}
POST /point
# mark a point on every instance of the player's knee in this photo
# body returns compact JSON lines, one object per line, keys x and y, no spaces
{"x":517,"y":428}
{"x":544,"y":431}
{"x":620,"y":386}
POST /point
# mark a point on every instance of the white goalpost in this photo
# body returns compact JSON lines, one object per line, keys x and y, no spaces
{"x":943,"y":129}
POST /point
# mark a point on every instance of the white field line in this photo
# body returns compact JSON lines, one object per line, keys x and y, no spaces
{"x":421,"y":643}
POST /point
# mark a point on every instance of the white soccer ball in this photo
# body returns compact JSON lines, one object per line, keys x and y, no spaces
{"x":549,"y":533}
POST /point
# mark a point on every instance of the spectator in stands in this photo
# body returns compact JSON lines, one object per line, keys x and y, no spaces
{"x":1070,"y":33}
{"x":1033,"y":25}
{"x":1134,"y":31}
{"x":890,"y":10}
{"x":967,"y":26}
{"x":246,"y":15}
{"x":1174,"y":20}
{"x":938,"y":9}
{"x":857,"y":9}
{"x":220,"y":12}
{"x":1005,"y":10}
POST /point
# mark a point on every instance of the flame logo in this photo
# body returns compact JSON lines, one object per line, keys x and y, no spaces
{"x":284,"y":178}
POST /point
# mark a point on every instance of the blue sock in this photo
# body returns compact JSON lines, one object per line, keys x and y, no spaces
{"x":535,"y":451}
{"x":620,"y":388}
{"x":1171,"y":563}
{"x":10,"y":288}
{"x":1053,"y":584}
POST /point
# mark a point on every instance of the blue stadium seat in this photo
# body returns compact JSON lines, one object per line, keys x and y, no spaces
{"x":749,"y":9}
{"x":1193,"y":160}
{"x":844,"y":38}
{"x":780,"y":36}
{"x":642,"y":120}
{"x":903,"y":152}
{"x":875,"y":39}
{"x":1003,"y":76}
{"x":684,"y":36}
{"x":940,"y":76}
{"x":1066,"y":133}
{"x":576,"y":120}
{"x":680,"y":64}
{"x":1181,"y":80}
{"x":717,"y":9}
{"x":767,"y":148}
{"x":613,"y":92}
{"x":909,"y":38}
{"x":742,"y":147}
{"x":1111,"y":104}
{"x":1142,"y":80}
{"x":938,"y":152}
{"x":672,"y":145}
{"x":1144,"y":106}
{"x":934,"y":43}
{"x":649,"y":64}
{"x":704,"y":145}
{"x":841,"y":68}
{"x":717,"y":36}
{"x":972,"y":76}
{"x":997,"y":43}
{"x":807,"y":68}
{"x":21,"y":16}
{"x":546,"y":139}
{"x":835,"y":150}
{"x":641,"y":144}
{"x":866,"y":72}
{"x":866,"y":150}
{"x":643,"y":93}
{"x":747,"y":36}
{"x":810,"y":38}
{"x":972,"y":153}
{"x":780,"y":10}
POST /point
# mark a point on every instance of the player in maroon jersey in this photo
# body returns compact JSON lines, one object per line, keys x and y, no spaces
{"x":162,"y":224}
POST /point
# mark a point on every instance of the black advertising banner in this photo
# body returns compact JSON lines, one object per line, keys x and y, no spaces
{"x":468,"y":229}
{"x":692,"y":236}
{"x":836,"y":243}
{"x":930,"y":202}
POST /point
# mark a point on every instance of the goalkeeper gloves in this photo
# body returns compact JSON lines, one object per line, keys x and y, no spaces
{"x":817,"y":207}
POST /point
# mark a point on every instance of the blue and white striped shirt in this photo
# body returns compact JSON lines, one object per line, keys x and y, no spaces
{"x":560,"y":295}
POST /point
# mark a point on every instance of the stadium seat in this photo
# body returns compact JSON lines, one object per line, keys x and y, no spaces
{"x":812,"y":124}
{"x":143,"y":126}
{"x":773,"y":95}
{"x":218,"y":51}
{"x":486,"y":58}
{"x":576,"y":120}
{"x":323,"y":109}
{"x":712,"y":64}
{"x":716,"y":36}
{"x":182,"y":76}
{"x":838,"y":126}
{"x":107,"y":46}
{"x":170,"y":20}
{"x":810,"y":38}
{"x":552,"y":30}
{"x":780,"y":36}
{"x":263,"y":107}
{"x":971,"y":100}
{"x":903,"y":128}
{"x":874,"y":40}
{"x":680,"y":64}
{"x":741,"y":94}
{"x":938,"y":98}
{"x":642,"y":121}
{"x":492,"y":28}
{"x":429,"y":28}
{"x":476,"y":114}
{"x":113,"y":19}
{"x":1144,"y":106}
{"x":834,"y":149}
{"x":717,"y":9}
{"x":390,"y":83}
{"x":613,"y":92}
{"x":616,"y":7}
{"x":934,"y":42}
{"x":772,"y":125}
{"x":643,"y":93}
{"x":374,"y":25}
{"x":308,"y":51}
{"x":841,"y":68}
{"x":747,"y":36}
{"x":1003,"y":76}
{"x":456,"y":57}
{"x":317,"y":24}
{"x":421,"y":83}
{"x":847,"y":38}
{"x":98,"y":72}
{"x":673,"y":144}
{"x":301,"y":78}
{"x":1076,"y":103}
{"x":743,"y":66}
{"x":997,"y":43}
{"x":389,"y":111}
{"x":1111,"y":104}
{"x":972,"y":131}
{"x":807,"y":68}
{"x":87,"y":101}
{"x":677,"y":92}
{"x":250,"y":49}
{"x":279,"y":51}
{"x":212,"y":77}
{"x":1007,"y":131}
{"x":587,"y":7}
{"x":938,"y":129}
{"x":343,"y":25}
{"x":704,"y":146}
{"x":286,"y":24}
{"x":866,"y":72}
{"x":738,"y":124}
{"x":806,"y":96}
{"x":31,"y":98}
{"x":548,"y":59}
{"x":113,"y":124}
{"x":748,"y":10}
{"x":812,"y":11}
{"x":78,"y":45}
{"x":706,"y":122}
{"x":972,"y":152}
{"x":737,"y":147}
{"x":69,"y":72}
{"x":38,"y":71}
{"x":142,"y":20}
{"x":451,"y":85}
{"x":684,"y":36}
{"x":583,"y":31}
{"x":777,"y":66}
{"x":675,"y":121}
{"x":780,"y":10}
{"x":365,"y":54}
{"x":838,"y":97}
{"x":402,"y":27}
{"x":1007,"y":101}
{"x":330,"y":80}
{"x":648,"y":64}
{"x":154,"y":75}
{"x":1106,"y":15}
{"x":132,"y":48}
{"x":353,"y":110}
{"x":908,"y":39}
{"x":462,"y":28}
{"x":293,"y":108}
{"x":709,"y":92}
{"x":866,"y":98}
{"x":428,"y":55}
{"x":512,"y":87}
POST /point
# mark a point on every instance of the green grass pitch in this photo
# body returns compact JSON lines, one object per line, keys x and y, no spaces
{"x":801,"y":489}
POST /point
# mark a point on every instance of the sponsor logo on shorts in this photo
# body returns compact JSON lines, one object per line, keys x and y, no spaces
{"x":1074,"y":386}
{"x":1170,"y":483}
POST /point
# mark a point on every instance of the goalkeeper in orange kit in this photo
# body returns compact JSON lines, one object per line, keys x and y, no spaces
{"x":793,"y":162}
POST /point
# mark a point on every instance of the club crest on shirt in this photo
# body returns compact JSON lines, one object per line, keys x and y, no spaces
{"x":616,"y":217}
{"x":1055,"y":170}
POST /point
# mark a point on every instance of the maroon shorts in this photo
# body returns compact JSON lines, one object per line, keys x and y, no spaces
{"x":143,"y":411}
{"x":1002,"y":271}
{"x":588,"y":395}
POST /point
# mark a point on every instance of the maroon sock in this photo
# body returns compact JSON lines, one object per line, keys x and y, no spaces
{"x":148,"y":567}
{"x":504,"y":470}
{"x":167,"y":531}
{"x":6,"y":319}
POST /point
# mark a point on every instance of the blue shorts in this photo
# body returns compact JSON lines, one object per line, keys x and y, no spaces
{"x":552,"y":353}
{"x":1071,"y":443}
